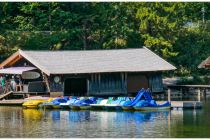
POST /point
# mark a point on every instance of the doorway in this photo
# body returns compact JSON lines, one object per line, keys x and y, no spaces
{"x":136,"y":82}
{"x":75,"y":87}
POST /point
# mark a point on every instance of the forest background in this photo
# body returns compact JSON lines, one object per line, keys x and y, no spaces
{"x":179,"y":31}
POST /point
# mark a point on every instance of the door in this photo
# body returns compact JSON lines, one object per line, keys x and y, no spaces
{"x":75,"y":87}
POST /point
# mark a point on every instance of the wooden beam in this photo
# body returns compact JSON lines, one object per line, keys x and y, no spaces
{"x":122,"y":80}
{"x":88,"y":87}
{"x":15,"y":60}
{"x":47,"y":82}
{"x":207,"y":65}
{"x":126,"y":82}
{"x":99,"y":82}
{"x":9,"y":59}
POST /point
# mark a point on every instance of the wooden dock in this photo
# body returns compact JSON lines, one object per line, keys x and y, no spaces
{"x":184,"y":104}
{"x":5,"y":95}
{"x":197,"y":88}
{"x":12,"y":102}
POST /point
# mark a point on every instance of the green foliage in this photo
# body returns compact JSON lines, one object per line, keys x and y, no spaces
{"x":160,"y":25}
{"x":174,"y":31}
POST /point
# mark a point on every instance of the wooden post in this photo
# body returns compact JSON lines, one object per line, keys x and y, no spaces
{"x":182,"y":91}
{"x":199,"y":94}
{"x":88,"y":87}
{"x":126,"y":82}
{"x":47,"y":82}
{"x":123,"y":83}
{"x":169,"y":94}
{"x":204,"y":94}
{"x":99,"y":80}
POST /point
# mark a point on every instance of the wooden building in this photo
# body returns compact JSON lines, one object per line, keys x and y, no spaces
{"x":92,"y":72}
{"x":205,"y":63}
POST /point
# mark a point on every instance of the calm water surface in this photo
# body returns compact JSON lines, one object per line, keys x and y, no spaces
{"x":20,"y":123}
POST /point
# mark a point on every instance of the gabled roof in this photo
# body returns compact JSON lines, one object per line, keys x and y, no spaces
{"x":205,"y":63}
{"x":96,"y":61}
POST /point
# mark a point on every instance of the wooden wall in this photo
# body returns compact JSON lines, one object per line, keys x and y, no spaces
{"x":111,"y":84}
{"x":103,"y":84}
{"x":56,"y":87}
{"x":137,"y":81}
{"x":156,"y":82}
{"x":151,"y":80}
{"x":107,"y":84}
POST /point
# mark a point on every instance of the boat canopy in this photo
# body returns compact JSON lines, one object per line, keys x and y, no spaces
{"x":16,"y":70}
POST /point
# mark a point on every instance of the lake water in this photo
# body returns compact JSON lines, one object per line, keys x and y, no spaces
{"x":31,"y":123}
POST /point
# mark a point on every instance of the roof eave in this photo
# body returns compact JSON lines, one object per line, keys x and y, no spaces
{"x":64,"y":73}
{"x":10,"y":59}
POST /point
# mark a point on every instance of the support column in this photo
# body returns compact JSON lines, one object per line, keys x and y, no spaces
{"x":99,"y":82}
{"x":169,"y":94}
{"x":88,"y":87}
{"x":126,"y":82}
{"x":123,"y":83}
{"x":199,"y":94}
{"x":47,"y":82}
{"x":204,"y":94}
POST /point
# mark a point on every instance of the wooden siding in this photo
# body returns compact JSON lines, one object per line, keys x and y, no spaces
{"x":136,"y":81}
{"x":107,"y":84}
{"x":56,"y":87}
{"x":155,"y":82}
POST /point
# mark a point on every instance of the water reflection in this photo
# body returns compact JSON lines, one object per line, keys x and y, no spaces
{"x":55,"y":115}
{"x":79,"y":116}
{"x":18,"y":122}
{"x":32,"y":114}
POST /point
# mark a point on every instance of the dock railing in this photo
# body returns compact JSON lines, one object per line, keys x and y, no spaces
{"x":201,"y":90}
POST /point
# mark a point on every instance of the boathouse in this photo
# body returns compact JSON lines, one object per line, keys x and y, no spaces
{"x":205,"y":63}
{"x":116,"y":72}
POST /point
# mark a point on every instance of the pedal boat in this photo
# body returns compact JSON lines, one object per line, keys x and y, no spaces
{"x":153,"y":107}
{"x":99,"y":106}
{"x":33,"y":103}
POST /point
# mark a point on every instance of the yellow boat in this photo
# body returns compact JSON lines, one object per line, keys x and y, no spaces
{"x":34,"y":103}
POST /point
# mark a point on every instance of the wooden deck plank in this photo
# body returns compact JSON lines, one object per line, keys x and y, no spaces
{"x":12,"y":102}
{"x":5,"y":95}
{"x":184,"y":104}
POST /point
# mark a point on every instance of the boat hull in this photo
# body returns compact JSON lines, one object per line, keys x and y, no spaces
{"x":152,"y":108}
{"x":46,"y":106}
{"x":127,"y":108}
{"x":113,"y":107}
{"x":97,"y":107}
{"x":64,"y":106}
{"x":31,"y":106}
{"x":85,"y":107}
{"x":56,"y":106}
{"x":75,"y":107}
{"x":33,"y":103}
